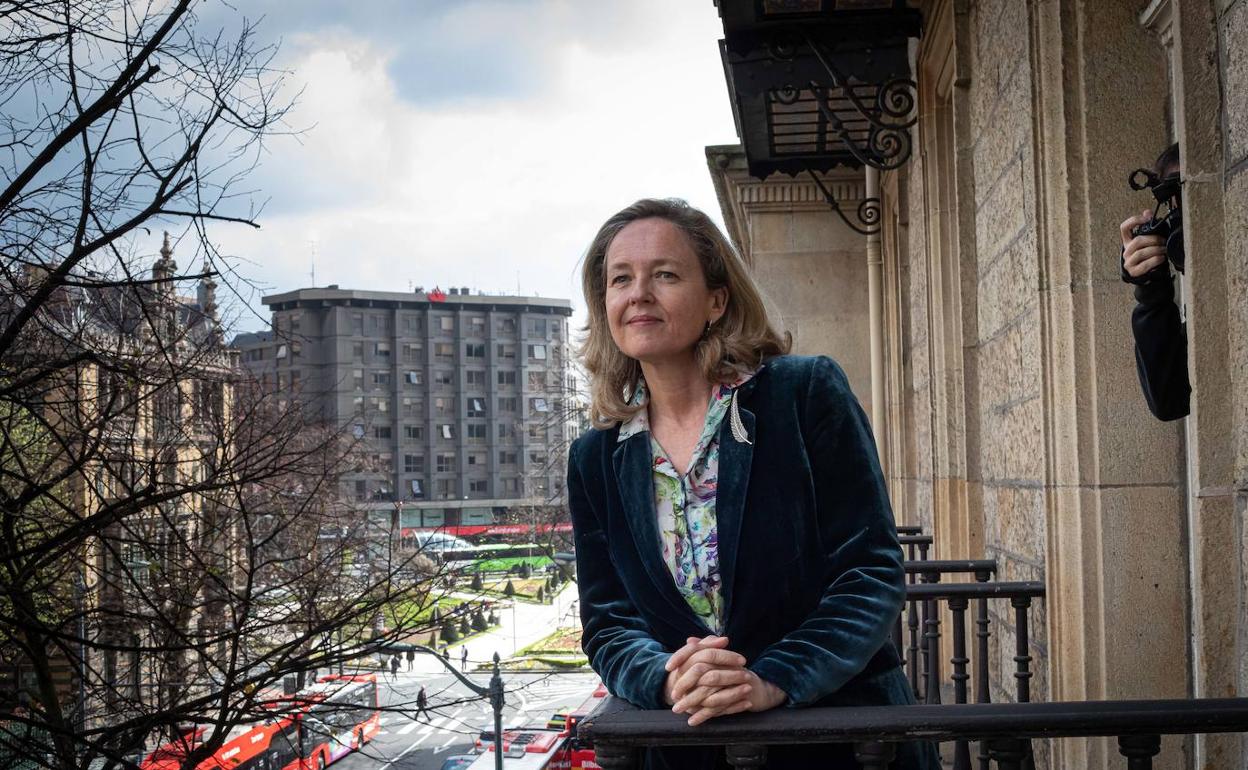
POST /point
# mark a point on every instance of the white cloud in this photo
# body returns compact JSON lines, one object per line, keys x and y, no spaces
{"x":489,"y":192}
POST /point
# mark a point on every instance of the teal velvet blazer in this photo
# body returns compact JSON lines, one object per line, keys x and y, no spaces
{"x":810,"y":565}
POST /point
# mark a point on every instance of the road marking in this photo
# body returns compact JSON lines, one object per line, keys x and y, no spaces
{"x":408,"y":728}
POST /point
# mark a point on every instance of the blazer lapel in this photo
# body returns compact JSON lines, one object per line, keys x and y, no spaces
{"x":632,"y":461}
{"x":735,"y":461}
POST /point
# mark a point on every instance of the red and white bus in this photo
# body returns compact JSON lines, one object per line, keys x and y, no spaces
{"x":544,"y":748}
{"x":306,"y":731}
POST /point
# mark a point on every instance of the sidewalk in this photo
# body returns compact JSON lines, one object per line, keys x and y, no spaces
{"x":520,"y":625}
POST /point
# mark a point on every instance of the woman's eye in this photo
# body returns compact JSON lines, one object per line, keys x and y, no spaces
{"x":665,"y":274}
{"x":618,"y":279}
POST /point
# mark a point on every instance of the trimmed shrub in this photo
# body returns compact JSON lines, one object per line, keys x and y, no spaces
{"x":526,"y":570}
{"x":477,"y":583}
{"x":541,"y":594}
{"x":450,"y":633}
{"x":465,"y":627}
{"x":509,"y":589}
{"x":478,"y":621}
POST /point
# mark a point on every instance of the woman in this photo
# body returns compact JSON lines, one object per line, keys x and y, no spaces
{"x":735,"y":546}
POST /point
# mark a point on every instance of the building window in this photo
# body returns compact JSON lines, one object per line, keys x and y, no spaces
{"x":506,"y":430}
{"x":507,"y":457}
{"x":446,"y":323}
{"x":474,"y":350}
{"x":506,"y":325}
{"x":357,"y":407}
{"x":511,"y":486}
{"x":478,"y":486}
{"x":413,"y":377}
{"x":442,"y":405}
{"x":476,"y":325}
{"x":444,"y":378}
{"x":413,"y":432}
{"x":446,"y":488}
{"x":506,"y":378}
{"x":537,"y":352}
{"x":381,"y":350}
{"x":417,"y":487}
{"x":413,"y":354}
{"x":446,"y":430}
{"x":508,"y":404}
{"x":537,"y":459}
{"x":476,"y":433}
{"x":411,"y":407}
{"x":357,"y":351}
{"x":282,"y":351}
{"x":444,"y":351}
{"x":446,"y":464}
{"x":413,"y":323}
{"x":506,"y":352}
{"x":381,"y":431}
{"x":413,"y":463}
{"x":357,"y":379}
{"x":361,"y":489}
{"x":476,"y":406}
{"x":537,"y":327}
{"x":537,"y":380}
{"x":381,"y":378}
{"x":381,"y":404}
{"x":475,"y":377}
{"x":357,"y":324}
{"x":538,"y":405}
{"x":476,"y":459}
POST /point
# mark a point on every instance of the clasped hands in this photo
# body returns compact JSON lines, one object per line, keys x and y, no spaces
{"x":705,"y":680}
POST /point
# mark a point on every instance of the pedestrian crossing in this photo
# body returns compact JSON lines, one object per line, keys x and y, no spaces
{"x":527,"y":703}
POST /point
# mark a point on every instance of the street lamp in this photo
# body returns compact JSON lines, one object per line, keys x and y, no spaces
{"x":494,"y":691}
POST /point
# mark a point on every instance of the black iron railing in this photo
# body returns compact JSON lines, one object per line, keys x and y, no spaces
{"x":616,"y":730}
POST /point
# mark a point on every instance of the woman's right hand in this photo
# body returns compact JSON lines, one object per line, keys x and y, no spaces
{"x":1140,"y":253}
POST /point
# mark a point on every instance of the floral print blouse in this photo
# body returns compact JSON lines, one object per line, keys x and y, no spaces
{"x":685,"y":505}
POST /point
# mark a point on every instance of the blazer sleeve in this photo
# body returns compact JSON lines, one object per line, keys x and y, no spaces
{"x":865,"y":581}
{"x":616,"y":639}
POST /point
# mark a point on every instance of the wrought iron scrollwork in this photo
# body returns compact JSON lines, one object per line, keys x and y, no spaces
{"x":866,"y":218}
{"x":889,"y":116}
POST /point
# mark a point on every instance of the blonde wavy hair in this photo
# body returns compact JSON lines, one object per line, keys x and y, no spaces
{"x":741,"y":340}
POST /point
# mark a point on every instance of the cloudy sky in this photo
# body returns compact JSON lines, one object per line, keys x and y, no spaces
{"x":477,"y":142}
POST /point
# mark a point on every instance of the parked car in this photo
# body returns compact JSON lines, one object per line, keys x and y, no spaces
{"x":458,"y":762}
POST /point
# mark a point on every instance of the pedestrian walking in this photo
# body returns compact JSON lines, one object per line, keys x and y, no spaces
{"x":422,"y":702}
{"x":411,"y":658}
{"x":463,"y":658}
{"x":394,"y":666}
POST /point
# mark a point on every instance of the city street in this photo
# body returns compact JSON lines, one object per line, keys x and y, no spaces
{"x":408,"y":741}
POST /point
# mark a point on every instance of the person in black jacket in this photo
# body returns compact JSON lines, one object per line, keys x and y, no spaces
{"x":1150,"y":244}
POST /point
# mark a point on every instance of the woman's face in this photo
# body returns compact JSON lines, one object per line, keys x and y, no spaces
{"x":657,"y":300}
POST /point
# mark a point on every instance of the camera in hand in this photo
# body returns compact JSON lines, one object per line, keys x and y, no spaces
{"x":1166,"y":190}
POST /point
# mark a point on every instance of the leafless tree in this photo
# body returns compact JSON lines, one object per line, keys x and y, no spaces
{"x":172,"y":546}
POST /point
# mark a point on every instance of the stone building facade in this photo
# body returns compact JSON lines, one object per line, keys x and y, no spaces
{"x":1007,"y":410}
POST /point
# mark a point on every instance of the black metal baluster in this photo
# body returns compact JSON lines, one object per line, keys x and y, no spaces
{"x":931,"y":645}
{"x":1139,"y":750}
{"x":1022,"y":658}
{"x":912,"y":620}
{"x":982,"y":693}
{"x":1008,"y":753}
{"x":874,"y":755}
{"x":958,"y":605}
{"x":746,"y":755}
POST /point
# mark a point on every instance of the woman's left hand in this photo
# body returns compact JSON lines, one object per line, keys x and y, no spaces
{"x":723,"y":691}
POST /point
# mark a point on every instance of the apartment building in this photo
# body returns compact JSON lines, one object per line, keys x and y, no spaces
{"x":456,"y":396}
